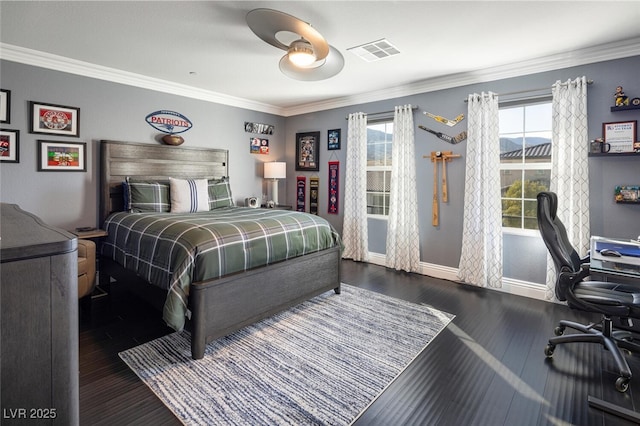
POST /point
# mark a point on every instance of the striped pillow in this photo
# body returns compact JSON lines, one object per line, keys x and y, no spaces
{"x":188,"y":195}
{"x":147,"y":196}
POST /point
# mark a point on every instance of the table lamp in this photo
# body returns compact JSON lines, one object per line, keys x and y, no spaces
{"x":275,"y":170}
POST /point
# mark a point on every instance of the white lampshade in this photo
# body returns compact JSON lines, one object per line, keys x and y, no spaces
{"x":275,"y":170}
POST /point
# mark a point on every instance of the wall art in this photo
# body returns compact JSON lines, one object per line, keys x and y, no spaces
{"x":261,"y":128}
{"x":620,"y":136}
{"x":314,"y":185}
{"x":54,"y":119}
{"x":301,"y":187}
{"x":10,"y":146}
{"x":259,"y":146}
{"x":169,"y":122}
{"x":5,"y":106}
{"x":54,"y":156}
{"x":334,"y":187}
{"x":333,"y":139}
{"x":308,"y":151}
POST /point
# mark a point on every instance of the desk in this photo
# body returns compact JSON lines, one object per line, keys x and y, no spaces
{"x":623,"y":269}
{"x":619,"y":269}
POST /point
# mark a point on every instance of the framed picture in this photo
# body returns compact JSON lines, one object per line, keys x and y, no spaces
{"x":308,"y":151}
{"x":333,"y":139}
{"x":54,"y":119}
{"x":10,"y":146}
{"x":56,"y":156}
{"x":5,"y":106}
{"x":259,"y":146}
{"x":619,"y":136}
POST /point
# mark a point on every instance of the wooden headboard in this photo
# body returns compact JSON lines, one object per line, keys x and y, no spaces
{"x":120,"y":159}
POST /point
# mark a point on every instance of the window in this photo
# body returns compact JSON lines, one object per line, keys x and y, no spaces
{"x":379,"y":146}
{"x":525,"y":161}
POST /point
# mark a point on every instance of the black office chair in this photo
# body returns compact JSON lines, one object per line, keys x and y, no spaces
{"x":612,"y":300}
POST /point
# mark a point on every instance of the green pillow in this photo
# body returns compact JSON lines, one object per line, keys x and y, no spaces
{"x":148,"y":196}
{"x":219,"y":193}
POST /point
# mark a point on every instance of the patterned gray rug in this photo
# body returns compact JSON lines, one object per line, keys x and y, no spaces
{"x":322,"y":362}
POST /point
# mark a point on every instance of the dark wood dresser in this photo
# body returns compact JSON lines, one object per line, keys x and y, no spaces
{"x":39,"y":321}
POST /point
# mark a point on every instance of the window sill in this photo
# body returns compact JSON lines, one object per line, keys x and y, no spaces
{"x":521,"y":232}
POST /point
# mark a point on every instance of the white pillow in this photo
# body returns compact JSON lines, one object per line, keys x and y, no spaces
{"x":188,"y":195}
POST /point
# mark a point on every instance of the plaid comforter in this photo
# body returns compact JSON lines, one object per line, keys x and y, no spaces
{"x":173,"y":250}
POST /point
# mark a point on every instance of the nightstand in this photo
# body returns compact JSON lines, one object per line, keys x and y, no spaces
{"x":95,"y":235}
{"x":90,"y":235}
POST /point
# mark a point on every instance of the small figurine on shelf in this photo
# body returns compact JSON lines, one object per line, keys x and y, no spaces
{"x":621,"y":98}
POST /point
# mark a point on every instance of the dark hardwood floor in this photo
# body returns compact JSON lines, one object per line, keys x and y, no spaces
{"x":486,"y":368}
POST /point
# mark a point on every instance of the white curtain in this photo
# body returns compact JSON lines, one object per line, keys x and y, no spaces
{"x":403,"y":232}
{"x":570,"y":167}
{"x":354,"y":225}
{"x":481,"y":256}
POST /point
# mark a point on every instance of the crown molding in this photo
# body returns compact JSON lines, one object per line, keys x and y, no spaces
{"x":600,"y":53}
{"x":37,"y":58}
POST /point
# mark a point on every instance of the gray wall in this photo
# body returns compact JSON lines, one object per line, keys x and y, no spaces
{"x":524,"y":257}
{"x":115,"y":111}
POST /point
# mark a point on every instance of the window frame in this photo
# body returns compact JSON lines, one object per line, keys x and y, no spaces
{"x":385,"y":168}
{"x":523,"y":166}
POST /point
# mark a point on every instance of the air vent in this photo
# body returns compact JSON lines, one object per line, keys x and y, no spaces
{"x":375,"y":50}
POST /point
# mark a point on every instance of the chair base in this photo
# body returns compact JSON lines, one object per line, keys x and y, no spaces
{"x":612,"y":340}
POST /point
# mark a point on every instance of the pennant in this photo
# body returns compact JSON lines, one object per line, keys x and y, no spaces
{"x":334,"y":186}
{"x":314,"y":183}
{"x":300,"y":193}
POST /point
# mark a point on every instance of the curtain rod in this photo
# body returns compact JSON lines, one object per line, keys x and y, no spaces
{"x":589,"y":82}
{"x":384,"y":112}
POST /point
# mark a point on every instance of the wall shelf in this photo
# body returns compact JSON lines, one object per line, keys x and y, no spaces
{"x":624,"y":108}
{"x":614,"y":154}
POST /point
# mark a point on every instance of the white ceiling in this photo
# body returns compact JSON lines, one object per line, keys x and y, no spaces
{"x":204,"y":49}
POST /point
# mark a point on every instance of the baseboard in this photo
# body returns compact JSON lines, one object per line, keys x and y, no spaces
{"x":523,"y":288}
{"x":509,"y":285}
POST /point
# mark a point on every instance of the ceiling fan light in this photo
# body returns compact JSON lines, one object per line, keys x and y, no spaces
{"x":319,"y":70}
{"x":301,"y":54}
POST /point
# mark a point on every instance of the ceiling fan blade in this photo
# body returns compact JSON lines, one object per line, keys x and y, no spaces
{"x":319,"y":70}
{"x":266,"y":23}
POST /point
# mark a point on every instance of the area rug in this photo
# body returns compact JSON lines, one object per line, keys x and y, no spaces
{"x":322,"y":362}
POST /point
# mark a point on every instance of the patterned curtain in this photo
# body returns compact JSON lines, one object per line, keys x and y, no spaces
{"x":481,"y":257}
{"x":354,"y":226}
{"x":403,"y":232}
{"x":570,"y":167}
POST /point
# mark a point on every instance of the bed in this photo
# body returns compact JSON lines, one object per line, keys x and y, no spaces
{"x":208,"y":277}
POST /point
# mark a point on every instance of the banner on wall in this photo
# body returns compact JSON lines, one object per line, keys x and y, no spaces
{"x":301,"y":185}
{"x":314,"y":183}
{"x":334,"y":187}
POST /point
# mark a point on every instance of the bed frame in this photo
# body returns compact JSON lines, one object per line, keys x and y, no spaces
{"x":221,"y":306}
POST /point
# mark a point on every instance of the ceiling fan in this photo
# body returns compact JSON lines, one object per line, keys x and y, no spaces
{"x":309,"y":57}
